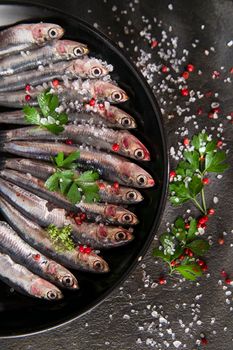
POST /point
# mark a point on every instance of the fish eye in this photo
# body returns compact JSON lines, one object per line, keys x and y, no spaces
{"x":139,"y":153}
{"x":131,"y":195}
{"x":127,"y":218}
{"x":52,"y":295}
{"x":53,"y":33}
{"x":125,"y":121}
{"x":78,"y":51}
{"x":96,"y":72}
{"x":98,"y":266}
{"x":142,"y":180}
{"x":120,"y":236}
{"x":116,"y":96}
{"x":67,"y":281}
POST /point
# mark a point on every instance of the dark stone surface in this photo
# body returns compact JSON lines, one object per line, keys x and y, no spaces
{"x":117,"y":322}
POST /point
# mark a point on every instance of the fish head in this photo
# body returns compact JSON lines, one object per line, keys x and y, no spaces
{"x":123,"y":119}
{"x":43,"y":32}
{"x":130,"y":195}
{"x":120,"y":215}
{"x":133,"y":175}
{"x":64,"y":276}
{"x":43,"y":289}
{"x":70,"y":49}
{"x":92,"y":262}
{"x":109,"y":91}
{"x":133,"y":147}
{"x":114,"y":236}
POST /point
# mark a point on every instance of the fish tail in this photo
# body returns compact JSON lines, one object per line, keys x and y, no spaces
{"x":3,"y":138}
{"x":2,"y":163}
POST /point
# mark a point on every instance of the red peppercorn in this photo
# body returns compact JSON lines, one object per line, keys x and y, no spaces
{"x":208,"y":94}
{"x":36,"y":257}
{"x":115,"y":147}
{"x":55,"y":83}
{"x":164,"y":69}
{"x":224,"y":274}
{"x":83,"y":216}
{"x":69,"y":142}
{"x":27,"y":87}
{"x":211,"y":211}
{"x":181,"y":257}
{"x":215,"y":74}
{"x":203,"y":220}
{"x":205,"y":181}
{"x":115,"y":185}
{"x":153,"y":43}
{"x":81,"y":248}
{"x":199,"y":111}
{"x":87,"y":250}
{"x":187,"y":226}
{"x":204,"y":341}
{"x":190,"y":254}
{"x":186,"y":251}
{"x":184,"y":92}
{"x":204,"y":267}
{"x":92,"y":102}
{"x":201,"y":262}
{"x":77,"y":220}
{"x":219,"y":144}
{"x":221,"y":241}
{"x":27,"y":98}
{"x":190,"y":67}
{"x":231,"y":70}
{"x":228,"y":281}
{"x":185,"y":75}
{"x":172,"y":174}
{"x":101,"y":185}
{"x":173,"y":263}
{"x":162,"y":280}
{"x":186,"y":141}
{"x":216,"y":110}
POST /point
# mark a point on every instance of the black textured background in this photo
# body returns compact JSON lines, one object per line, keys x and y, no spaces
{"x":125,"y":321}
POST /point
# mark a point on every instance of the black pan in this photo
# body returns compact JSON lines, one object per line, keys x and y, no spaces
{"x":20,"y":315}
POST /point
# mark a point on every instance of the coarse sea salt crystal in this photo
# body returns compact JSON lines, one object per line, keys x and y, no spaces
{"x":177,"y":344}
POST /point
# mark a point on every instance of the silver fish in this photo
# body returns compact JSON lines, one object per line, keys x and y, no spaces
{"x":24,"y":254}
{"x":110,"y":167}
{"x":26,"y":282}
{"x":83,"y":68}
{"x":77,"y":91}
{"x":94,"y":211}
{"x":55,"y":51}
{"x":38,"y":238}
{"x":119,"y":142}
{"x":26,"y":36}
{"x":107,"y":115}
{"x":108,"y":192}
{"x":45,"y":213}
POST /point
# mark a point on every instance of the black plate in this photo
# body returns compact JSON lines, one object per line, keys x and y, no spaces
{"x":20,"y":315}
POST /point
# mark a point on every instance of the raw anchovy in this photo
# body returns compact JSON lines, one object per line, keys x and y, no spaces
{"x":94,"y":211}
{"x":45,"y":213}
{"x":26,"y":36}
{"x":24,"y":254}
{"x":110,"y":167}
{"x":109,"y":116}
{"x":55,"y":51}
{"x":78,"y":91}
{"x":108,"y":192}
{"x":38,"y":238}
{"x":121,"y":142}
{"x":26,"y":282}
{"x":83,"y":68}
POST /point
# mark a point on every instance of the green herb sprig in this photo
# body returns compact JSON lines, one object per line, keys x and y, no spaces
{"x":181,"y":248}
{"x":66,"y":181}
{"x":200,"y":158}
{"x":46,"y":116}
{"x":61,"y":238}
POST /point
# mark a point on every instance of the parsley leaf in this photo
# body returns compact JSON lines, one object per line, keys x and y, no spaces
{"x":199,"y":246}
{"x":189,"y":271}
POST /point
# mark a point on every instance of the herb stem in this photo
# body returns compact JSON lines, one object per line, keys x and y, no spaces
{"x":203,"y":200}
{"x":198,"y":205}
